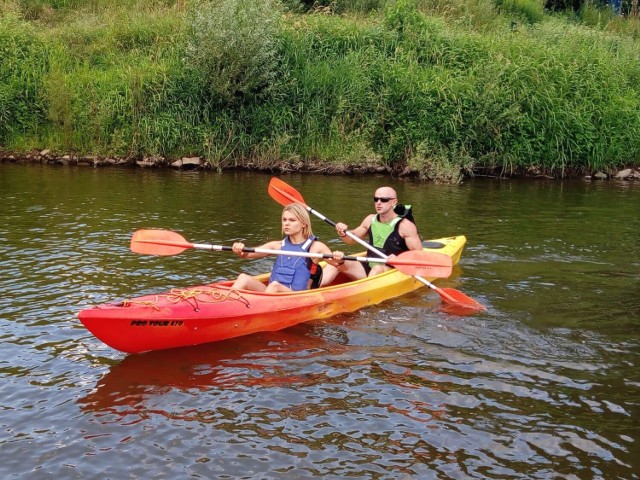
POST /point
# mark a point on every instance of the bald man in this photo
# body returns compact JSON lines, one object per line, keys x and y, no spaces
{"x":385,"y":229}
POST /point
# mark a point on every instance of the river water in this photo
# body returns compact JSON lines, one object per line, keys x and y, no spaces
{"x":544,"y":384}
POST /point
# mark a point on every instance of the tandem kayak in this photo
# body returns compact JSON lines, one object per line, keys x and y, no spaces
{"x":214,"y":312}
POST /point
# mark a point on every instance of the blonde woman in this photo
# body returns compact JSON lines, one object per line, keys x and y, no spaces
{"x":289,"y":273}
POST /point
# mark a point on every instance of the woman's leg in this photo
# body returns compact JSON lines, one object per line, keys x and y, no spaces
{"x":247,"y":282}
{"x":276,"y":287}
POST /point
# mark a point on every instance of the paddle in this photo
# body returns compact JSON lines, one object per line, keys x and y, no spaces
{"x":166,"y":242}
{"x":285,"y":194}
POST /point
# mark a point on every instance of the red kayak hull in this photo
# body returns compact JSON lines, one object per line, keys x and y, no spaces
{"x":214,"y":312}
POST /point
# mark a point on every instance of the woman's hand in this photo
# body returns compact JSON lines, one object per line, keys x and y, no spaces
{"x":238,"y":248}
{"x":338,"y":258}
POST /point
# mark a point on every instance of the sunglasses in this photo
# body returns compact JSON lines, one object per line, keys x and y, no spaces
{"x":382,"y":199}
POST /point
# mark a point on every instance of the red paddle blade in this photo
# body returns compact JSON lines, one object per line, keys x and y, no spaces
{"x":425,"y":264}
{"x":458,"y":302}
{"x":284,"y":193}
{"x":459,"y":310}
{"x":158,"y":242}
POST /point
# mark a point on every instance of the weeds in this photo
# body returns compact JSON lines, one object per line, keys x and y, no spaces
{"x":433,"y":88}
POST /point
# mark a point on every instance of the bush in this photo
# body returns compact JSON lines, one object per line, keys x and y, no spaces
{"x":232,"y":48}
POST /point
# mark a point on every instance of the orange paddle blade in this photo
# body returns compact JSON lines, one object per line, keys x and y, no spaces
{"x":284,"y":193}
{"x":418,"y":262}
{"x":158,"y":242}
{"x":458,"y":300}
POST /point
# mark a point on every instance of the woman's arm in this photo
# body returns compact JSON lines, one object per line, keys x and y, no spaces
{"x":238,"y":246}
{"x":319,"y":247}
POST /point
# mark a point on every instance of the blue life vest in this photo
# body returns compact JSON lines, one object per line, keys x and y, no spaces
{"x":293,"y":272}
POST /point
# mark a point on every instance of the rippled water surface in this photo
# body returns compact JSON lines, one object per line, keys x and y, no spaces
{"x":544,"y":384}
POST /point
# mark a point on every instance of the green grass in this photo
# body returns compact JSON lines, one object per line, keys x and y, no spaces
{"x":435,"y":88}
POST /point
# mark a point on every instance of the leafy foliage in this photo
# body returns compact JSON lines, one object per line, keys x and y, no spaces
{"x":432,"y":87}
{"x":232,"y":47}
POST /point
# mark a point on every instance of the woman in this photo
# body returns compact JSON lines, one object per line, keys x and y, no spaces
{"x":289,"y":273}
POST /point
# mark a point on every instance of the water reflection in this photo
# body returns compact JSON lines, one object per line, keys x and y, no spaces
{"x":257,"y":361}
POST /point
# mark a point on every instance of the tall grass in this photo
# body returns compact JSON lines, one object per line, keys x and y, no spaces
{"x":23,"y":65}
{"x":531,"y":11}
{"x":435,"y":88}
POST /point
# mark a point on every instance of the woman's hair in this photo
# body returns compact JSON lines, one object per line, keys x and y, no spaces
{"x":302,"y":215}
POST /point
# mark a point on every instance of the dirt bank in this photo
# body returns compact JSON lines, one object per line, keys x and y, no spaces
{"x":629,"y":173}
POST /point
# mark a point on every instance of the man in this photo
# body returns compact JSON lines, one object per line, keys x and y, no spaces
{"x":386,"y":230}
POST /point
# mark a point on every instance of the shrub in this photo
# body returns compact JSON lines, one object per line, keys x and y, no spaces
{"x":232,"y":47}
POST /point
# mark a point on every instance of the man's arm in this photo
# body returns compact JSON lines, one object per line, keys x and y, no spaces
{"x":360,"y":231}
{"x":409,"y":232}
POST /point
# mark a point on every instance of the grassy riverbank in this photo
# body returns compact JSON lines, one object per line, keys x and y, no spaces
{"x":435,"y":88}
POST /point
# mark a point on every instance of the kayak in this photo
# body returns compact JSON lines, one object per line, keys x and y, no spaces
{"x":213,"y":312}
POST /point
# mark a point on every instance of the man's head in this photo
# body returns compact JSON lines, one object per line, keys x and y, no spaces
{"x":385,"y":199}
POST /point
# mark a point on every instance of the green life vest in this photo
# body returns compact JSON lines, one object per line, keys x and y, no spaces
{"x":379,"y":232}
{"x":385,"y":236}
